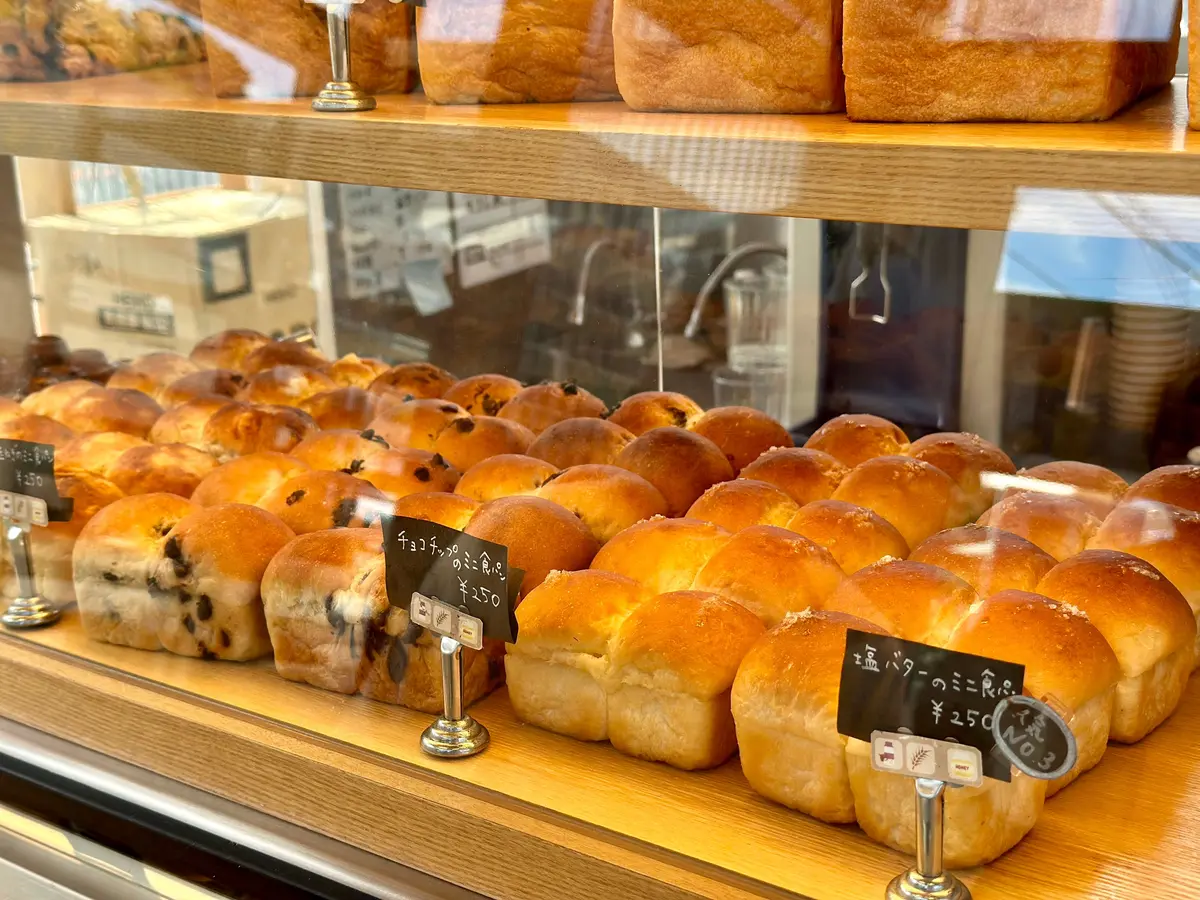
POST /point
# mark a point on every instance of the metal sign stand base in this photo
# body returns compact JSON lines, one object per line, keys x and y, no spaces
{"x":29,"y":610}
{"x":928,"y":881}
{"x":455,"y":734}
{"x":341,"y":94}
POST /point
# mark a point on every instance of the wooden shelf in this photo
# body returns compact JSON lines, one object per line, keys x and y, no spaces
{"x":963,"y":176}
{"x":541,"y":816}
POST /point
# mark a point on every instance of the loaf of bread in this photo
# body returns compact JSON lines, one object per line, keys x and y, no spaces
{"x":353,"y":370}
{"x":1173,"y":485}
{"x":238,"y":429}
{"x":94,"y":452}
{"x":9,"y":409}
{"x":246,"y":479}
{"x":39,"y":429}
{"x":971,"y":461}
{"x":415,"y":423}
{"x":663,"y":555}
{"x":204,"y":384}
{"x":470,"y":440}
{"x":1193,"y":64}
{"x":508,"y":475}
{"x":1062,"y":526}
{"x":319,"y":501}
{"x":259,"y":358}
{"x":639,"y":413}
{"x":285,"y":385}
{"x":853,"y":439}
{"x":607,"y":499}
{"x":936,"y":61}
{"x":51,"y":401}
{"x":483,"y":395}
{"x":917,"y":498}
{"x":400,"y":473}
{"x":109,"y":409}
{"x":517,"y":51}
{"x":742,"y":433}
{"x":539,"y":406}
{"x":681,"y":464}
{"x":1098,"y":488}
{"x":741,"y":503}
{"x":227,"y":349}
{"x":729,"y":56}
{"x":854,"y":536}
{"x":169,"y":468}
{"x":452,"y":510}
{"x":420,"y":381}
{"x":347,"y":407}
{"x":273,"y":48}
{"x":580,"y":442}
{"x":339,"y":450}
{"x":805,"y":475}
{"x":151,"y":373}
{"x":988,"y":559}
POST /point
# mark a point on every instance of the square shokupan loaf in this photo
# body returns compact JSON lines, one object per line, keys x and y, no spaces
{"x":1015,"y":60}
{"x":748,"y":56}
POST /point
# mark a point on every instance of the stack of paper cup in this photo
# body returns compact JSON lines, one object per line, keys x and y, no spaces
{"x":1149,"y":348}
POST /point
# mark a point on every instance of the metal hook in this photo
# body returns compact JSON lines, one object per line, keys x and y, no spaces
{"x":865,"y":275}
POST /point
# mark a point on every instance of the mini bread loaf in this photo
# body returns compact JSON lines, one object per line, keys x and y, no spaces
{"x":316,"y":622}
{"x":39,"y":429}
{"x":1067,"y":660}
{"x":206,"y":583}
{"x":10,"y":409}
{"x":755,"y":57}
{"x":94,"y":452}
{"x":415,"y":423}
{"x":348,"y":407}
{"x":238,"y":429}
{"x":107,"y":409}
{"x":205,"y":384}
{"x":90,"y":363}
{"x":785,"y":705}
{"x":558,"y":669}
{"x":988,"y":559}
{"x":399,"y":473}
{"x":279,"y":353}
{"x":911,"y":600}
{"x":504,"y":476}
{"x":227,"y":349}
{"x":673,"y":662}
{"x":417,"y":380}
{"x":853,"y":439}
{"x":1061,"y":526}
{"x":855,"y":537}
{"x":517,"y":51}
{"x":682,"y":465}
{"x":468,"y":441}
{"x":51,"y":401}
{"x":285,"y":385}
{"x":804,"y":475}
{"x":917,"y":498}
{"x":539,"y":406}
{"x":541,"y":536}
{"x":607,"y":499}
{"x":742,"y":433}
{"x":246,"y":479}
{"x":771,"y":572}
{"x":643,"y":412}
{"x":1100,"y":489}
{"x":1146,"y":621}
{"x":161,"y":468}
{"x":483,"y":395}
{"x":51,"y":546}
{"x":663,"y":555}
{"x":580,"y":442}
{"x":318,"y":501}
{"x":151,"y":373}
{"x":354,"y":371}
{"x":185,"y":424}
{"x":1174,"y":485}
{"x":340,"y":450}
{"x":741,"y":503}
{"x":969,"y":460}
{"x":452,"y":510}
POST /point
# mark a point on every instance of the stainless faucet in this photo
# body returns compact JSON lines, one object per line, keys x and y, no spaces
{"x":579,"y":307}
{"x":692,"y":330}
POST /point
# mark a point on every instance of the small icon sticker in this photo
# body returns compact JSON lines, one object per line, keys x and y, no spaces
{"x":40,"y":516}
{"x":888,"y":754}
{"x":470,"y":632}
{"x":421,"y":611}
{"x":21,"y":508}
{"x":6,"y":503}
{"x":920,"y":759}
{"x":963,"y":765}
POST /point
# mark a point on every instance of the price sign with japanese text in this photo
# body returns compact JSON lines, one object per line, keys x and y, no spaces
{"x":893,"y":685}
{"x":28,"y":492}
{"x":1034,"y":738}
{"x":455,"y":569}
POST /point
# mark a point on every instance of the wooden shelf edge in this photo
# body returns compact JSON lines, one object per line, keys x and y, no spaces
{"x":440,"y":826}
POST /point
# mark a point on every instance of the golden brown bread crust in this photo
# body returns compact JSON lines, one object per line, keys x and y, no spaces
{"x":348,"y":407}
{"x":279,"y":353}
{"x":607,"y":499}
{"x":1167,"y":537}
{"x":238,"y":429}
{"x":297,"y":38}
{"x":988,"y":559}
{"x":285,"y":385}
{"x":967,"y":458}
{"x":912,"y":600}
{"x":853,"y":439}
{"x":771,"y":572}
{"x":1193,"y":65}
{"x":755,"y":57}
{"x":804,"y":475}
{"x":399,"y":473}
{"x":580,"y":442}
{"x":204,"y":384}
{"x":541,"y":536}
{"x":415,"y":423}
{"x":577,"y":612}
{"x":742,"y":433}
{"x":483,"y":395}
{"x":662,"y":554}
{"x":354,"y":371}
{"x":247,"y":478}
{"x":854,"y":535}
{"x":539,"y":406}
{"x":468,"y":441}
{"x":933,"y":61}
{"x":94,"y":452}
{"x":227,"y":349}
{"x":9,"y":409}
{"x":184,"y":424}
{"x":39,"y":429}
{"x":508,"y":475}
{"x":1099,"y":488}
{"x":917,"y":498}
{"x":517,"y":51}
{"x":318,"y":501}
{"x":742,"y":503}
{"x":639,"y":413}
{"x":417,"y":380}
{"x":1175,"y":485}
{"x":340,"y":450}
{"x":1061,"y":526}
{"x":323,"y":561}
{"x":161,"y":468}
{"x":151,"y":373}
{"x":106,"y":409}
{"x":452,"y":510}
{"x":681,"y":464}
{"x":51,"y":401}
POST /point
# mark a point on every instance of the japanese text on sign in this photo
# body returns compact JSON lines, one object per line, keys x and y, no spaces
{"x":27,"y":483}
{"x":1034,"y":738}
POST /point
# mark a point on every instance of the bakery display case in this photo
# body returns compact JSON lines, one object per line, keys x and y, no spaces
{"x":433,"y":436}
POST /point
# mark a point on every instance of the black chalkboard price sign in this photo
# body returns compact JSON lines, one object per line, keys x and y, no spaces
{"x":1034,"y":738}
{"x":889,"y":684}
{"x":28,"y":492}
{"x":465,"y":572}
